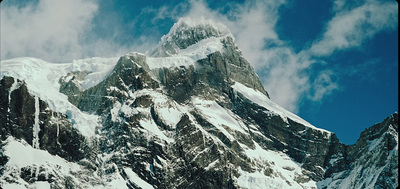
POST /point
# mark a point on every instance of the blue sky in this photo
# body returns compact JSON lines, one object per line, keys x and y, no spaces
{"x":334,"y":63}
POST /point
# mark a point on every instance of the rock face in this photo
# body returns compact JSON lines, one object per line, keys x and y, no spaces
{"x":192,"y":115}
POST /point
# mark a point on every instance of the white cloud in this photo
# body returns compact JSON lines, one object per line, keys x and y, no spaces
{"x":285,"y":77}
{"x":48,"y":29}
{"x":350,"y":28}
{"x":323,"y":85}
{"x":58,"y":31}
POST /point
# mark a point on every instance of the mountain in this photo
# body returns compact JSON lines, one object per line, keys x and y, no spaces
{"x":192,"y":114}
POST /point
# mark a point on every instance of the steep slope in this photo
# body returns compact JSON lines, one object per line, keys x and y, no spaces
{"x":193,"y":114}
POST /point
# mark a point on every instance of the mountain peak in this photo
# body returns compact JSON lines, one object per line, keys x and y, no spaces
{"x":189,"y":31}
{"x":196,"y":108}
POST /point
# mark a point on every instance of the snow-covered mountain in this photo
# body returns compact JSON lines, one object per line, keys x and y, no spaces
{"x":192,"y":114}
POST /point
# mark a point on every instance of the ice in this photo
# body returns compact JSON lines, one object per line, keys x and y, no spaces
{"x":42,"y":80}
{"x":12,"y":88}
{"x":36,"y":128}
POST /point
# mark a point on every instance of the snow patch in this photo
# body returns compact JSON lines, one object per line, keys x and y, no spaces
{"x":118,"y":182}
{"x":152,"y":128}
{"x":168,"y":111}
{"x":219,"y":116}
{"x":133,"y":177}
{"x":17,"y":153}
{"x":39,"y":185}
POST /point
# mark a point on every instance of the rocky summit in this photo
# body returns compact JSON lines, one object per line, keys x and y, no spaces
{"x":191,"y":114}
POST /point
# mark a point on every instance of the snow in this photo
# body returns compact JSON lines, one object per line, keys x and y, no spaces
{"x":218,"y":116}
{"x":168,"y":111}
{"x":188,"y":56}
{"x":17,"y":151}
{"x":168,"y":62}
{"x":151,"y":127}
{"x":100,"y":68}
{"x":39,"y":185}
{"x":372,"y":145}
{"x":13,"y":186}
{"x":285,"y":170}
{"x":199,"y":50}
{"x":211,"y":165}
{"x":21,"y":154}
{"x":136,"y":179}
{"x":118,"y":182}
{"x":115,"y":112}
{"x":42,"y":78}
{"x":262,"y":100}
{"x":258,"y":180}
